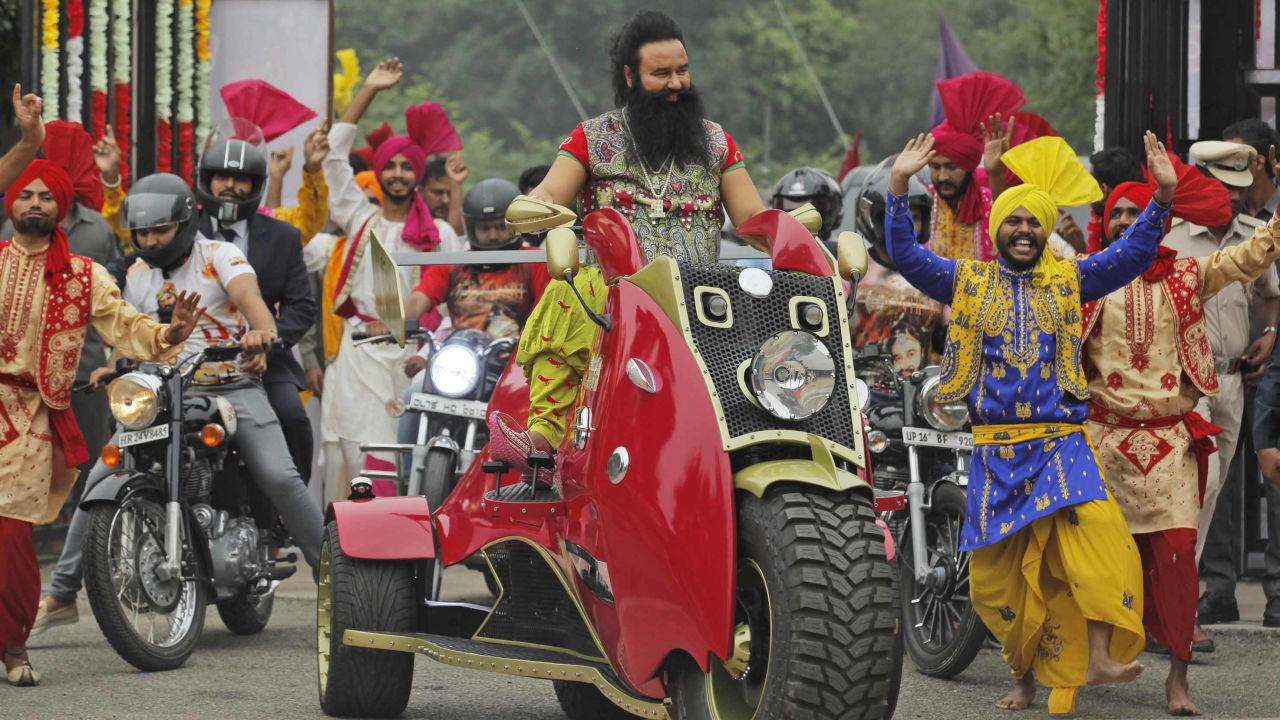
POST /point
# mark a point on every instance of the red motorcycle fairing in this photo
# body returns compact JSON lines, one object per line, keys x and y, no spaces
{"x":613,"y":240}
{"x":385,"y":528}
{"x":790,"y":244}
{"x":663,"y":534}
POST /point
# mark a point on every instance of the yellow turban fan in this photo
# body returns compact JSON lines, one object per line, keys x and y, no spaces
{"x":1052,"y":177}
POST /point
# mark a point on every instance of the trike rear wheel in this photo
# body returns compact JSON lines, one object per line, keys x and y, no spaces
{"x":815,"y":616}
{"x":362,"y":595}
{"x":584,"y":701}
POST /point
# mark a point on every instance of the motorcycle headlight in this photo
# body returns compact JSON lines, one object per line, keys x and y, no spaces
{"x":944,"y":416}
{"x":135,"y":399}
{"x":793,"y":375}
{"x":455,"y":370}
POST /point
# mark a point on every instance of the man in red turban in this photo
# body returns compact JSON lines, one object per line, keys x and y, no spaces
{"x":1149,"y":361}
{"x":48,"y":300}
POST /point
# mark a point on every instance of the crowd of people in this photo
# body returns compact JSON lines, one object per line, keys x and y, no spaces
{"x":1103,"y":366}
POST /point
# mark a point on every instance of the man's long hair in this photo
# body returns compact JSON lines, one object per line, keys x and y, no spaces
{"x":660,"y":129}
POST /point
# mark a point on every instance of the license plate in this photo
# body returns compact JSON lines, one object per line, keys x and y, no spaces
{"x":937,"y":438}
{"x":426,"y":402}
{"x":138,"y":437}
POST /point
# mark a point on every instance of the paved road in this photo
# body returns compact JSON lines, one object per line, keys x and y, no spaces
{"x":272,"y":676}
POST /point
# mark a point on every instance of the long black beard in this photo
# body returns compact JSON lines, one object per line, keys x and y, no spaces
{"x":662,"y":129}
{"x":32,"y":226}
{"x":1017,"y":265}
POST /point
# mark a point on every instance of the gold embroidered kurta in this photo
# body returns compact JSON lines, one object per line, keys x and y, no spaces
{"x":1136,"y":372}
{"x":34,"y":479}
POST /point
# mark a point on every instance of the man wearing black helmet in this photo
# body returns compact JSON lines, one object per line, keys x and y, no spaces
{"x":814,"y":186}
{"x":172,"y":261}
{"x":891,"y":314}
{"x":230,"y":183}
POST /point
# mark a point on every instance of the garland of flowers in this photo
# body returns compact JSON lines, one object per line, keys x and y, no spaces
{"x":164,"y":85}
{"x":75,"y":60}
{"x":121,"y":75}
{"x":98,"y":18}
{"x":1100,"y":98}
{"x":186,"y":73}
{"x":49,"y":70}
{"x":204,"y":67}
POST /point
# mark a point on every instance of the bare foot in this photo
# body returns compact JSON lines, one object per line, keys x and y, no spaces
{"x":1178,"y":692}
{"x":1020,"y":696}
{"x":1110,"y":672}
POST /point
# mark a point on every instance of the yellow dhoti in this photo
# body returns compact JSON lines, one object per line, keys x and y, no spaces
{"x":1036,"y":590}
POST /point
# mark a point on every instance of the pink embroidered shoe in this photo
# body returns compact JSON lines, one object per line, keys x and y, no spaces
{"x":512,"y":444}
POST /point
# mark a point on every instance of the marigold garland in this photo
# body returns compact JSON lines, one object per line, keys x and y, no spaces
{"x":164,"y":85}
{"x":204,"y":67}
{"x":186,"y":75}
{"x":98,"y":67}
{"x":121,"y":75}
{"x":50,"y":72}
{"x":75,"y":60}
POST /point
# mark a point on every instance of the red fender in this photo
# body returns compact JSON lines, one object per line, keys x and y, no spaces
{"x":790,"y":244}
{"x":385,"y":528}
{"x":609,"y":235}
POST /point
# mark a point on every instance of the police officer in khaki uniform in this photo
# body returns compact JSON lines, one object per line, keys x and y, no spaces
{"x":1227,"y":320}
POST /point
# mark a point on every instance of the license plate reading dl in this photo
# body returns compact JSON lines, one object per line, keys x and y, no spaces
{"x":936,"y":438}
{"x":426,"y":402}
{"x":138,"y":437}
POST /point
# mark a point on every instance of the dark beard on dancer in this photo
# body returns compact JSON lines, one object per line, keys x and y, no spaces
{"x":1018,"y":265}
{"x":661,"y":128}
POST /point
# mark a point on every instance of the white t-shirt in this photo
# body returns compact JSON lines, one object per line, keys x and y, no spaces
{"x":207,"y":271}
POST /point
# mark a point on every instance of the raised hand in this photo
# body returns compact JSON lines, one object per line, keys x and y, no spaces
{"x":281,"y":161}
{"x":28,"y":108}
{"x":996,"y":137}
{"x":186,"y":313}
{"x":913,"y":158}
{"x":1161,"y":169}
{"x":106,"y":153}
{"x":315,"y":148}
{"x":385,"y":75}
{"x":456,"y":168}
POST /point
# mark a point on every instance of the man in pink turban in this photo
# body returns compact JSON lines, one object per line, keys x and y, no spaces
{"x":361,"y":381}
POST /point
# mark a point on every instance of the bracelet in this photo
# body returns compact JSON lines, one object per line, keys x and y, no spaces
{"x":113,"y":186}
{"x":1268,"y":329}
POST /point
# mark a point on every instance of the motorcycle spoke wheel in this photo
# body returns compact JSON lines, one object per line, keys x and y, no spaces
{"x":159,"y":612}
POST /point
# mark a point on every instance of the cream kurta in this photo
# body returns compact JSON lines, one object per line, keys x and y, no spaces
{"x":34,"y":479}
{"x":1136,"y":372}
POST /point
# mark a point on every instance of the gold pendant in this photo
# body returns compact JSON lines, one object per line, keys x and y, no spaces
{"x":656,"y":212}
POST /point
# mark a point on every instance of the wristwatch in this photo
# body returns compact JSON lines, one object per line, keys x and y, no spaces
{"x":1268,"y":329}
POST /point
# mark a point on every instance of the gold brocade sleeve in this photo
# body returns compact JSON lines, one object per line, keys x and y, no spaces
{"x":1241,"y":263}
{"x":312,"y":211}
{"x":113,"y":198}
{"x":123,"y":327}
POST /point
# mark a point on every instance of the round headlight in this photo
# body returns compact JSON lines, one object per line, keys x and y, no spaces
{"x":134,"y":399}
{"x":793,"y":375}
{"x":945,"y":416}
{"x":455,"y":370}
{"x":877,"y":442}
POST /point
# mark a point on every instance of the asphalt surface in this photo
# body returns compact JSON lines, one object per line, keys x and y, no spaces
{"x":272,"y":675}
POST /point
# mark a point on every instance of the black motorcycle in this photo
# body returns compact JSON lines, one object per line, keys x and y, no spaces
{"x":918,"y":447}
{"x":179,"y":523}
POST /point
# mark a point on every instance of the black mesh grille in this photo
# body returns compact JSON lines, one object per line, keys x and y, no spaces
{"x":754,"y":321}
{"x":534,"y":608}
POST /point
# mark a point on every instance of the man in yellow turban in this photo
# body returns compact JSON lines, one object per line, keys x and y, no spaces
{"x":1054,"y":572}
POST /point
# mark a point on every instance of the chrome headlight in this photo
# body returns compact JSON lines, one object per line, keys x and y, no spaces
{"x":944,"y":416}
{"x":135,"y":399}
{"x":455,"y":370}
{"x":793,"y":375}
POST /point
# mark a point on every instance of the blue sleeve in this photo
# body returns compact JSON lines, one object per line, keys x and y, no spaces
{"x":1103,"y":273}
{"x":930,"y":273}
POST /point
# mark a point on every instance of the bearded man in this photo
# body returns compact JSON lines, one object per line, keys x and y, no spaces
{"x":1055,"y":574}
{"x":664,"y":166}
{"x":362,"y":381}
{"x":48,"y":300}
{"x":1150,"y":361}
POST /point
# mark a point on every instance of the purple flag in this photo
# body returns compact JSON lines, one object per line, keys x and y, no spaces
{"x":953,"y":61}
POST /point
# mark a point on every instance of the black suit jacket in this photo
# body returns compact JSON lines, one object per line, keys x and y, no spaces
{"x":275,"y":252}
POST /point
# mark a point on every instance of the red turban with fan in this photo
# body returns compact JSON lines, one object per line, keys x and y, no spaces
{"x":265,"y":105}
{"x":1198,"y":199}
{"x":967,"y":101}
{"x":71,"y":148}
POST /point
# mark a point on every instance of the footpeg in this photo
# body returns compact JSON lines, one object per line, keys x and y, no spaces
{"x":279,"y":572}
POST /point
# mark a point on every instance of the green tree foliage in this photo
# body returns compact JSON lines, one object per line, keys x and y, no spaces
{"x":875,"y":58}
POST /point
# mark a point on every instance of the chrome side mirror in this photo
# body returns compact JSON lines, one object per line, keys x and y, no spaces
{"x":851,"y":254}
{"x":527,"y":216}
{"x":562,"y":253}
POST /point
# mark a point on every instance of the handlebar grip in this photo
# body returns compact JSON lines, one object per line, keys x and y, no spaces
{"x":356,"y":336}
